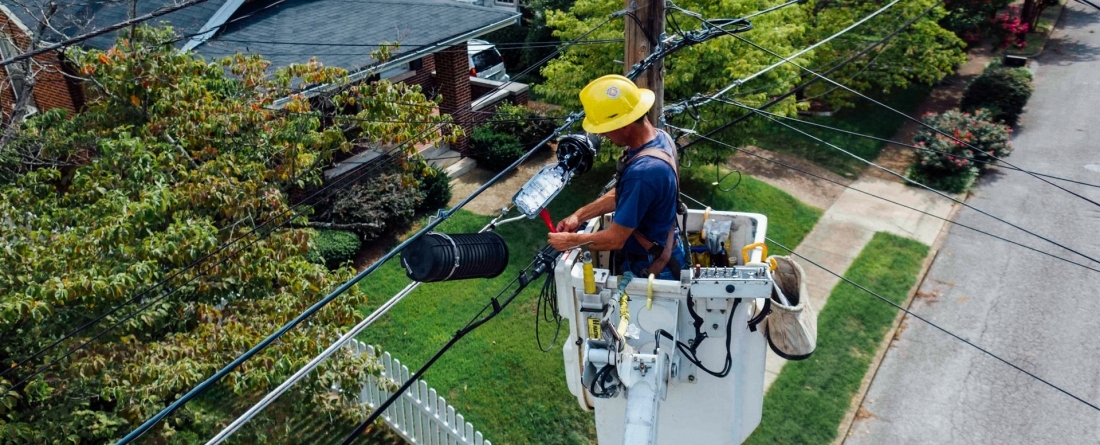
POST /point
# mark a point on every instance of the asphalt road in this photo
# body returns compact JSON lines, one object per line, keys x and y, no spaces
{"x":1038,"y":313}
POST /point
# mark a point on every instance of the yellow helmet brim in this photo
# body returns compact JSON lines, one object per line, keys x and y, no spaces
{"x":645,"y":102}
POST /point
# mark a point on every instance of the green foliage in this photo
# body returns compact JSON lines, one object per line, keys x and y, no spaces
{"x":808,"y":400}
{"x":951,"y":173}
{"x":529,"y":125}
{"x":495,"y":151}
{"x":972,"y":20}
{"x":435,"y":187}
{"x":1003,"y":91}
{"x":334,"y":247}
{"x":171,"y":158}
{"x":925,"y":54}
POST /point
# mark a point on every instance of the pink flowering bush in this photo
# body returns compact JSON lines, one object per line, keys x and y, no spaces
{"x":951,"y":163}
{"x":1012,"y":27}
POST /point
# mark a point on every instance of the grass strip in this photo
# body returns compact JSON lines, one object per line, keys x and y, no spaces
{"x":809,"y":399}
{"x":864,"y":118}
{"x":496,"y":376}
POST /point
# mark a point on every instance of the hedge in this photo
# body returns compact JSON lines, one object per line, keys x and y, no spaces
{"x":1003,"y":91}
{"x":334,"y":247}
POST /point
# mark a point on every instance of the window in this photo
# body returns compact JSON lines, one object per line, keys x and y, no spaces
{"x":16,"y":74}
{"x":486,"y":59}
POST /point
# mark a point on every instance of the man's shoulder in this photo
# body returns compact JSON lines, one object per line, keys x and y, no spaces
{"x":648,"y":167}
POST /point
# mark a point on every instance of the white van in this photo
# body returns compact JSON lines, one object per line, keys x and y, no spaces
{"x":485,"y":61}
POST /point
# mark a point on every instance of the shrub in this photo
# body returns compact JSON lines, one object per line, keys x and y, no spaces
{"x":334,"y":247}
{"x":1003,"y":91}
{"x":495,"y":151}
{"x":373,"y":205}
{"x":970,"y":19}
{"x":530,"y":126}
{"x":948,"y":170}
{"x":435,"y":187}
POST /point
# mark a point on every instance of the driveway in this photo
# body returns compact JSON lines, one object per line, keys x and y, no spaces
{"x":1038,"y":313}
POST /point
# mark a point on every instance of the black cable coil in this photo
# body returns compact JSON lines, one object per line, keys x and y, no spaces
{"x":442,"y":257}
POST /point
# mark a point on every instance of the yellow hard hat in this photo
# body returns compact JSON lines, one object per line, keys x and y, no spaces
{"x":613,"y":102}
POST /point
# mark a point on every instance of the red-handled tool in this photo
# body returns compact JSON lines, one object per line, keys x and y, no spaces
{"x":545,"y":214}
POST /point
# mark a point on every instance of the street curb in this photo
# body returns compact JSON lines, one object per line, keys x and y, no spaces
{"x":887,"y":341}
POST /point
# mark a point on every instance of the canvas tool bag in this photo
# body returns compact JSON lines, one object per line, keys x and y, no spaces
{"x":791,"y":330}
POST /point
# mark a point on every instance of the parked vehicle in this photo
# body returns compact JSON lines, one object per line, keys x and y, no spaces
{"x":485,"y":61}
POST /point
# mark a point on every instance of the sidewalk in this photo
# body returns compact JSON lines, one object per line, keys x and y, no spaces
{"x":849,"y":224}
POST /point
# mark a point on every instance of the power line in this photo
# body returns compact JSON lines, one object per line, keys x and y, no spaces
{"x":939,"y":328}
{"x":906,"y":116}
{"x":101,"y":31}
{"x":741,"y":81}
{"x":906,"y":179}
{"x":920,"y":148}
{"x":823,"y":178}
{"x":810,"y":82}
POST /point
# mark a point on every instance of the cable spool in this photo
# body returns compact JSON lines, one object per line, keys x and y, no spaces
{"x":442,"y":257}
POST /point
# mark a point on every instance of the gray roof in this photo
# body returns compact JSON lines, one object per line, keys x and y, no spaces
{"x":75,"y":17}
{"x":338,"y":32}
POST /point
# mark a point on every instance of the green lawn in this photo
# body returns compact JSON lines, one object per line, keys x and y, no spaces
{"x":496,"y":376}
{"x":864,"y":118}
{"x":808,"y":401}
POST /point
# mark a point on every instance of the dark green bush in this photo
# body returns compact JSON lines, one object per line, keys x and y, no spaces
{"x":494,"y":151}
{"x":1003,"y":91}
{"x":334,"y":247}
{"x":435,"y":187}
{"x":530,"y":126}
{"x":947,"y":168}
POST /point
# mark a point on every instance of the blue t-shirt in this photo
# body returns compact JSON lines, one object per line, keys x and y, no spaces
{"x":646,"y":199}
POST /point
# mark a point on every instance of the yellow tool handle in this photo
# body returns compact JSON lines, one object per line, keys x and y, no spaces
{"x":745,"y":251}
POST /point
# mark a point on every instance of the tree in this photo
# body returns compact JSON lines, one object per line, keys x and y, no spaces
{"x":925,"y":53}
{"x":172,"y":157}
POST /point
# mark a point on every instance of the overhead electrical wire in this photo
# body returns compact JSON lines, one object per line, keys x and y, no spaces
{"x":923,"y":319}
{"x":846,"y":186}
{"x":902,"y":114}
{"x":807,"y":84}
{"x":309,"y":312}
{"x":910,"y":181}
{"x":920,"y":148}
{"x":106,"y":29}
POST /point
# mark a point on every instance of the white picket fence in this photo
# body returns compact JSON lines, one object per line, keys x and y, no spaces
{"x":420,"y":416}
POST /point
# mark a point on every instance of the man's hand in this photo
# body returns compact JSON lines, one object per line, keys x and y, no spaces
{"x":562,"y":240}
{"x":569,"y":224}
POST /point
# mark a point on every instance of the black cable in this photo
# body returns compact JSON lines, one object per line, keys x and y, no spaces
{"x":918,"y":147}
{"x":810,"y":82}
{"x":937,"y":327}
{"x":543,"y":263}
{"x":823,"y":178}
{"x":547,"y":310}
{"x":101,"y":31}
{"x":918,"y":184}
{"x":908,"y":117}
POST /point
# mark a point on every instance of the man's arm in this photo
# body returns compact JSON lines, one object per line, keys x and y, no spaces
{"x":602,"y":205}
{"x":611,"y":239}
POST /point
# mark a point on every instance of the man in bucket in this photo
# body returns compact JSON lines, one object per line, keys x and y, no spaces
{"x":646,"y":197}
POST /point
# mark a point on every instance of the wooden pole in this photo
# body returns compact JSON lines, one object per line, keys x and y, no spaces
{"x":641,"y":37}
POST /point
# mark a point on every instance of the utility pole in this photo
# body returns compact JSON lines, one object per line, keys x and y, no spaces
{"x":642,"y":36}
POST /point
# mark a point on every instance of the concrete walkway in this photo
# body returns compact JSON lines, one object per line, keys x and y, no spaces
{"x":849,"y":224}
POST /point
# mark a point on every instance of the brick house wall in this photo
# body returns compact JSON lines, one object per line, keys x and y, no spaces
{"x":52,"y":88}
{"x":452,"y":70}
{"x":423,"y":76}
